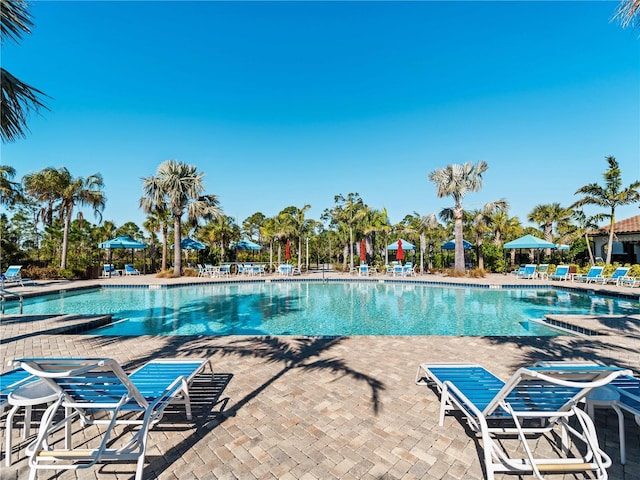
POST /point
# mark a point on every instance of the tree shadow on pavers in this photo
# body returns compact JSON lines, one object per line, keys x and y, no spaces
{"x":293,"y":353}
{"x":537,"y":349}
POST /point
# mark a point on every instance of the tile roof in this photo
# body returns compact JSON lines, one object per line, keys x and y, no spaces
{"x":628,"y":225}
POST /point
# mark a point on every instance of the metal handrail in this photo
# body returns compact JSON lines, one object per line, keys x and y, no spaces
{"x":5,"y":293}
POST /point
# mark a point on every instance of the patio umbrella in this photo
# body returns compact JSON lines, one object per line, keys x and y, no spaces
{"x":451,"y":245}
{"x":124,"y":242}
{"x":405,"y":245}
{"x":191,"y":244}
{"x":363,"y":252}
{"x":529,"y":242}
{"x":400,"y":252}
{"x":247,"y":245}
{"x":287,"y":250}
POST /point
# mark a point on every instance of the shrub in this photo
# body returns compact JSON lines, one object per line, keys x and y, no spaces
{"x":477,"y":273}
{"x":452,"y":272}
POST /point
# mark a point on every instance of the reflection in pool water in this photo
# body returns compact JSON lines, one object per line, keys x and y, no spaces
{"x":306,"y":308}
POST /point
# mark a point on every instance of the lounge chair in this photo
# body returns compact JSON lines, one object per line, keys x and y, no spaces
{"x":130,"y":270}
{"x":593,"y":273}
{"x":89,"y":387}
{"x":529,"y":272}
{"x":618,"y":274}
{"x":627,"y":281}
{"x":534,"y":401}
{"x":12,"y":275}
{"x":11,"y":380}
{"x":622,"y":395}
{"x":108,"y":270}
{"x":561,"y":273}
{"x":543,"y":271}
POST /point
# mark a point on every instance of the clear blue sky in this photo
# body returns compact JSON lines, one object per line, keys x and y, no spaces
{"x":291,"y":103}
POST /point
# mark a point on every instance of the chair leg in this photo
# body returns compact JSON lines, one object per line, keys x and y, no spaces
{"x":8,"y":434}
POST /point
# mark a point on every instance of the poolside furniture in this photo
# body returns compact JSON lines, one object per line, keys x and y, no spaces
{"x":528,"y":272}
{"x":593,"y":273}
{"x":534,"y":401}
{"x":11,"y":380}
{"x":621,"y":395}
{"x":561,"y":273}
{"x":130,"y":270}
{"x":519,"y":271}
{"x":108,"y":270}
{"x":543,"y":271}
{"x":285,"y":269}
{"x":618,"y":274}
{"x":627,"y":281}
{"x":12,"y":275}
{"x":225,"y":269}
{"x":363,"y":270}
{"x":86,"y":388}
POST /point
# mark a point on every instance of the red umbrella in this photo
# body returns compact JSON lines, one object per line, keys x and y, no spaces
{"x":400,"y":254}
{"x":287,"y":251}
{"x":363,"y":251}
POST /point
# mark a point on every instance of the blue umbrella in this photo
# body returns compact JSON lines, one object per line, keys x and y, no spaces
{"x":451,"y":245}
{"x":405,"y":245}
{"x":529,"y":241}
{"x":191,"y":244}
{"x":122,"y":241}
{"x":247,"y":245}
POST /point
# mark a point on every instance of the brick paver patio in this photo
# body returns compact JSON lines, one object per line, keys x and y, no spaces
{"x":317,"y":408}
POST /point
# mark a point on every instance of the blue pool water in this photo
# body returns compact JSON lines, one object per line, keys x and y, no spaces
{"x":292,"y":308}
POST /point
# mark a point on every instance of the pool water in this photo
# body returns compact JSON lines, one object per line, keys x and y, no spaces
{"x":301,"y":308}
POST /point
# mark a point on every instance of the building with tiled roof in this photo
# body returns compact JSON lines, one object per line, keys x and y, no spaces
{"x":626,"y":243}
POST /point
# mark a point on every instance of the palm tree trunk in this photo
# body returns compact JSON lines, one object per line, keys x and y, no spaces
{"x":177,"y":238}
{"x":165,"y":243}
{"x":299,"y":253}
{"x":65,"y":239}
{"x":350,"y":246}
{"x":480,"y":254}
{"x":610,"y":247}
{"x":423,"y":247}
{"x":586,"y":239}
{"x":459,"y":251}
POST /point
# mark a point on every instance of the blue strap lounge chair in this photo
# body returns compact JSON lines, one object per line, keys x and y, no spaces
{"x":90,"y":386}
{"x":529,"y":272}
{"x":534,"y":401}
{"x":617,"y":275}
{"x":130,"y":270}
{"x":592,"y":275}
{"x":12,"y":275}
{"x":10,"y":381}
{"x":561,"y":273}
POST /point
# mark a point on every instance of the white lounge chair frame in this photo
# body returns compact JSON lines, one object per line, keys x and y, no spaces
{"x":508,"y":412}
{"x":89,"y":387}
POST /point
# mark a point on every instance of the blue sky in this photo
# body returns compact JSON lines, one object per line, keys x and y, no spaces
{"x":291,"y":103}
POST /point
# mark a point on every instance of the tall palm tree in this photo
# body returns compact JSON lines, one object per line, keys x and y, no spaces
{"x":18,"y":98}
{"x":375,"y":222}
{"x":179,"y":186}
{"x":628,"y":12}
{"x":348,"y":211}
{"x":456,"y":180}
{"x":299,"y":225}
{"x":85,"y":192}
{"x":44,"y":187}
{"x":9,"y":190}
{"x":159,"y":218}
{"x":222,"y":230}
{"x":584,"y":225}
{"x":609,"y":196}
{"x":481,"y":222}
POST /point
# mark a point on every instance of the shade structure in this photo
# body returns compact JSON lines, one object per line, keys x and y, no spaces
{"x":363,"y":251}
{"x":122,"y":241}
{"x":287,"y":250}
{"x":405,"y":245}
{"x":529,"y":241}
{"x":451,"y":245}
{"x":562,"y":246}
{"x":191,"y":244}
{"x":400,"y":251}
{"x":247,"y":245}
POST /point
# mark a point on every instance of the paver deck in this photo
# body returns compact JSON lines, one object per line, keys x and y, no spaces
{"x":321,"y":408}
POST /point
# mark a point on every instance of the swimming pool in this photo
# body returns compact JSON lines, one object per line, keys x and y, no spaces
{"x":307,"y":308}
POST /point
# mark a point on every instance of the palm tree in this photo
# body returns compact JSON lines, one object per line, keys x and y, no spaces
{"x":430,"y":228}
{"x":9,"y":190}
{"x":179,"y":187}
{"x":457,"y":180}
{"x":611,"y":196}
{"x":45,"y":188}
{"x":18,"y":98}
{"x":298,"y":226}
{"x":159,"y":219}
{"x":585,"y":224}
{"x":375,"y":222}
{"x":348,"y":211}
{"x":222,"y":230}
{"x":481,"y":221}
{"x":83,"y":192}
{"x":628,"y":12}
{"x":548,"y":215}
